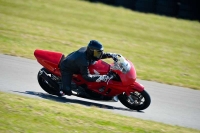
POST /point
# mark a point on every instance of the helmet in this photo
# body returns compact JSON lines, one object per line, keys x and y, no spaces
{"x":94,"y":50}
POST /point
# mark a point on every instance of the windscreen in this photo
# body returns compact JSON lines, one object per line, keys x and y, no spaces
{"x":122,"y":64}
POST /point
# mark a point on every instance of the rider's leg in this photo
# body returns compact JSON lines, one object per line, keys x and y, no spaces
{"x":66,"y":82}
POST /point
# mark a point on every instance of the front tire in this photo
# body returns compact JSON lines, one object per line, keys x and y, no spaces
{"x":45,"y":85}
{"x":138,"y":100}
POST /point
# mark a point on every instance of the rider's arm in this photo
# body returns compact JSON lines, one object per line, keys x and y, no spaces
{"x":107,"y":55}
{"x":92,"y":78}
{"x":110,"y":55}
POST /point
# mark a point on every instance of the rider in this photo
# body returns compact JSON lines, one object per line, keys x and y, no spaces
{"x":78,"y":61}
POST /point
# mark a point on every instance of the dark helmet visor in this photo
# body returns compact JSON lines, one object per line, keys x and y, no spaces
{"x":98,"y":53}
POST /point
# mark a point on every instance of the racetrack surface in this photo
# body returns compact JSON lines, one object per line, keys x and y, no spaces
{"x":170,"y":104}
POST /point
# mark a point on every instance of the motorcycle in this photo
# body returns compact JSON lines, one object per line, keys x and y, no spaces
{"x":121,"y":86}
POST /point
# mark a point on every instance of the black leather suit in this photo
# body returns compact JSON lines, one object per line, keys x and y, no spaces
{"x":77,"y":63}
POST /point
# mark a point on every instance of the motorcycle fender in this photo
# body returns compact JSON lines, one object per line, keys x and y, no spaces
{"x":135,"y":87}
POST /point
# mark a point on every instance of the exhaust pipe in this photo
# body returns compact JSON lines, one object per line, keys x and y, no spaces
{"x":48,"y":80}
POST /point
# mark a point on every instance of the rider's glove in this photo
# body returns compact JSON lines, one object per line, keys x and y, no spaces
{"x":103,"y":78}
{"x":114,"y":56}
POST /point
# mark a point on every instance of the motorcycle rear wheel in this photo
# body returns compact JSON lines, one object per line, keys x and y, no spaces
{"x":142,"y":100}
{"x":45,"y":85}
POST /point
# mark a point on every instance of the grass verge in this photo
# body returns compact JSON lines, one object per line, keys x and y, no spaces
{"x":165,"y":50}
{"x":23,"y":114}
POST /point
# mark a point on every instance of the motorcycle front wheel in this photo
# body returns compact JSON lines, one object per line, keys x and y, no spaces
{"x":136,"y":101}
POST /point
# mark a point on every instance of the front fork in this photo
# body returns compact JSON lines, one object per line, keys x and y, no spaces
{"x":135,"y":87}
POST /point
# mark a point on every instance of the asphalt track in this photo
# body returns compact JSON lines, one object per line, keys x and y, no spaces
{"x":170,"y":104}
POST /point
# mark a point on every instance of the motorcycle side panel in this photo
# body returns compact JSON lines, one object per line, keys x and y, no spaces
{"x":115,"y":88}
{"x":49,"y":59}
{"x":99,"y":67}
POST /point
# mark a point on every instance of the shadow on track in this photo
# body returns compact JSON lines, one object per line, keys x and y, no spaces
{"x":76,"y":101}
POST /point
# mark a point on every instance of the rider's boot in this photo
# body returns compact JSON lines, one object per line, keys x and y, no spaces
{"x":66,"y":91}
{"x":60,"y":92}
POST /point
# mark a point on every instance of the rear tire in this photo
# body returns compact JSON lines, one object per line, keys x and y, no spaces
{"x":45,"y":85}
{"x":142,"y":100}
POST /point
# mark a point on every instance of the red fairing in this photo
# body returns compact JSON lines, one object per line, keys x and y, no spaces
{"x":49,"y":59}
{"x":130,"y":77}
{"x":99,"y":67}
{"x":138,"y":87}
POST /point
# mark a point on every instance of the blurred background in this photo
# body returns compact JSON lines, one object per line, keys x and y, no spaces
{"x":185,"y":9}
{"x":160,"y":37}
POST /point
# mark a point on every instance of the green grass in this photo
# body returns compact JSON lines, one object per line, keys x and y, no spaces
{"x":165,"y":50}
{"x":22,"y":114}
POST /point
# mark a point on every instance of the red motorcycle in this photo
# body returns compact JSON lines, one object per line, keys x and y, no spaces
{"x":122,"y":85}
